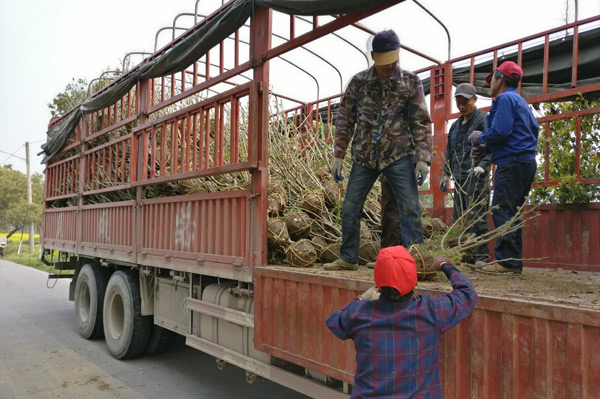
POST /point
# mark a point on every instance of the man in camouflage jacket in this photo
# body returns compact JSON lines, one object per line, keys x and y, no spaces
{"x":384,"y":113}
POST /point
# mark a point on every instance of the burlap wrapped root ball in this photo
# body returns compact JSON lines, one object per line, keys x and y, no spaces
{"x":318,"y":244}
{"x":365,"y":232}
{"x":432,"y":226}
{"x":331,"y":195}
{"x":314,"y":203}
{"x":324,"y":176}
{"x":331,"y":253}
{"x":423,"y":258}
{"x":298,"y":225}
{"x":274,"y":205}
{"x":277,"y":235}
{"x":301,"y":254}
{"x":368,"y":252}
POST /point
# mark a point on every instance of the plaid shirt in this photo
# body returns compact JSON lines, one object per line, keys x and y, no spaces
{"x":397,"y":343}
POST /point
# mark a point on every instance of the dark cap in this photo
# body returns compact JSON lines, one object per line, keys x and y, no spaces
{"x":465,"y":90}
{"x":507,"y":68}
{"x":386,"y":40}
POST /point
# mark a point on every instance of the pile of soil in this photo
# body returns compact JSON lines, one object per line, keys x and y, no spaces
{"x":554,"y":286}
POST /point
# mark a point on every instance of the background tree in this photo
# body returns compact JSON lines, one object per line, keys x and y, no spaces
{"x":15,"y":212}
{"x":562,"y":147}
{"x":74,"y":93}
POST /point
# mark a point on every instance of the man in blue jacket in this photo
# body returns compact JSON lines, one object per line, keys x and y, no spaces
{"x":511,"y":136}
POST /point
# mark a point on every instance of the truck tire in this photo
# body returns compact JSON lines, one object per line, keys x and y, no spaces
{"x":161,"y":340}
{"x":126,"y":331}
{"x":89,"y":300}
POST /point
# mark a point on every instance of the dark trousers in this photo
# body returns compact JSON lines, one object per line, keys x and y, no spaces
{"x":511,"y":186}
{"x":473,"y":194}
{"x":390,"y":220}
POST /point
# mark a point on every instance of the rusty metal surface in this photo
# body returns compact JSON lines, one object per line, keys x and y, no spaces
{"x":505,"y":349}
{"x":566,"y":236}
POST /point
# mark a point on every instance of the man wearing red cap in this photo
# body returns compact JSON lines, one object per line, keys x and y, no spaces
{"x":396,"y":335}
{"x":384,"y":114}
{"x":511,"y":136}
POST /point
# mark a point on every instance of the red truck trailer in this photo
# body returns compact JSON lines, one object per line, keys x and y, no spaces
{"x":146,"y":267}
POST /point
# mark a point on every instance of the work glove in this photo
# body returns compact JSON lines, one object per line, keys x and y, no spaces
{"x":422,"y":171}
{"x":474,"y":138}
{"x":371,"y":294}
{"x":336,"y":170}
{"x":437,"y":263}
{"x":477,"y":152}
{"x":477,"y":171}
{"x":444,"y":183}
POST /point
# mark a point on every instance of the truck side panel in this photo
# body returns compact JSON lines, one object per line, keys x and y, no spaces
{"x":505,"y":349}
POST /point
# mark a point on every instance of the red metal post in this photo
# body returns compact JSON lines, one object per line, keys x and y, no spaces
{"x":261,"y":27}
{"x":441,"y":90}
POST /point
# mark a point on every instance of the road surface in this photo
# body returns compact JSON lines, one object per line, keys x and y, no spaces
{"x":43,"y":356}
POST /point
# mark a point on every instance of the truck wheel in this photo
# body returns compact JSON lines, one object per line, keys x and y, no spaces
{"x":89,"y":300}
{"x":126,"y":331}
{"x":161,"y":340}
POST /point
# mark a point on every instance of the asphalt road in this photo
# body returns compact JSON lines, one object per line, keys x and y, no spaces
{"x":43,"y":356}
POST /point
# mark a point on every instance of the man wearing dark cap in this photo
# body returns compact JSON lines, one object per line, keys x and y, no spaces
{"x":396,"y":335}
{"x":511,"y":136}
{"x":384,"y":113}
{"x":471,"y":179}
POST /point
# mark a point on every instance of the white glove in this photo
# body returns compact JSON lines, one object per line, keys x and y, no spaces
{"x":336,"y":170}
{"x":478,"y":170}
{"x":421,"y":171}
{"x":444,"y":183}
{"x":372,"y":294}
{"x":474,"y":138}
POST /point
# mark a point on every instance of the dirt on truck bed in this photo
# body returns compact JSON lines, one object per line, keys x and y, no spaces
{"x":567,"y":287}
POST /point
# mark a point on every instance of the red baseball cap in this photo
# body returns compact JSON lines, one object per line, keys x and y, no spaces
{"x":507,"y":68}
{"x":396,"y":268}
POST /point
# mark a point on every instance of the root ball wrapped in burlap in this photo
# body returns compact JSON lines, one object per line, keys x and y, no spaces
{"x":277,"y":234}
{"x":368,"y":252}
{"x":301,"y":254}
{"x":423,"y":258}
{"x":331,"y":194}
{"x":314,"y":203}
{"x":331,"y":253}
{"x":298,"y":224}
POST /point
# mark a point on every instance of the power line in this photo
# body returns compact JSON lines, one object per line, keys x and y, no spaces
{"x":12,"y":155}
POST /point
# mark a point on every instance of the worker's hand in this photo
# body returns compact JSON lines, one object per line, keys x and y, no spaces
{"x":371,"y":294}
{"x":336,"y":170}
{"x":437,"y":263}
{"x":444,"y":183}
{"x":477,"y":171}
{"x":474,"y":138}
{"x":421,"y":171}
{"x":478,"y":152}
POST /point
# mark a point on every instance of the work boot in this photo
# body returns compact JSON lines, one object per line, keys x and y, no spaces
{"x":340,"y":264}
{"x":371,"y":265}
{"x":495,"y":268}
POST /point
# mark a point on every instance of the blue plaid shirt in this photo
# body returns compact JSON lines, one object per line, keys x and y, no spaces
{"x":397,"y":343}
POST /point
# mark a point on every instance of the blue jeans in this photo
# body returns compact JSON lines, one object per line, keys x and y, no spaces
{"x":511,"y":186}
{"x":402,"y":180}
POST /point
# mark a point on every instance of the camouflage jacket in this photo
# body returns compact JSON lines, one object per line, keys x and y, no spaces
{"x":386,"y":120}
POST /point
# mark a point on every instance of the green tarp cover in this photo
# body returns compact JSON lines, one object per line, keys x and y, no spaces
{"x":192,"y":48}
{"x":559,"y":68}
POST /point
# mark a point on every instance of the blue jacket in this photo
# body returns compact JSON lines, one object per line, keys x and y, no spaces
{"x":512,"y":130}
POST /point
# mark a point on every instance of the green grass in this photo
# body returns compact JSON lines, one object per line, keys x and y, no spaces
{"x":24,"y":258}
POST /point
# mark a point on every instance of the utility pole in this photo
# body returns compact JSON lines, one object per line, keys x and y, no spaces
{"x":29,"y":198}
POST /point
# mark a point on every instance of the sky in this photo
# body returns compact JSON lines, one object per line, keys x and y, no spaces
{"x":44,"y":44}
